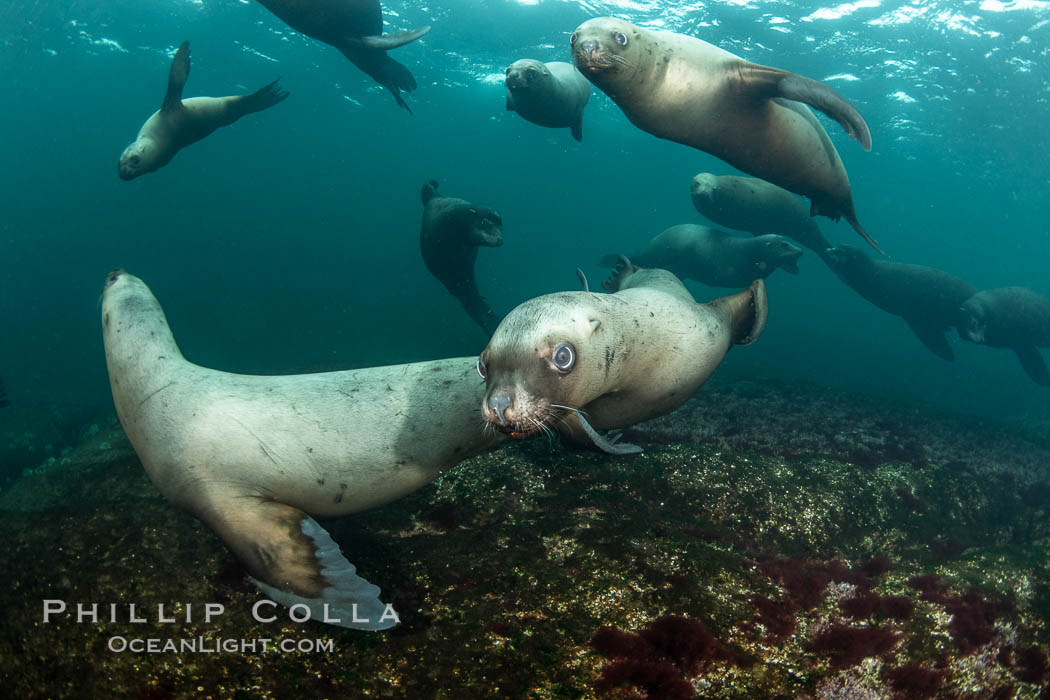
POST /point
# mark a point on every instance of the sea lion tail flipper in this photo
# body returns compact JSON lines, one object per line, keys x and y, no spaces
{"x":621,"y":271}
{"x":1033,"y":364}
{"x":177,"y":77}
{"x":577,"y":129}
{"x":609,"y":446}
{"x":3,"y":394}
{"x":746,"y":311}
{"x":385,"y":42}
{"x":293,"y":560}
{"x":933,"y":338}
{"x":429,"y":191}
{"x":265,"y":97}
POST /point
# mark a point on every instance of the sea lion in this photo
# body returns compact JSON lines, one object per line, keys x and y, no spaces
{"x":549,"y":94}
{"x":756,"y":206}
{"x":250,"y":456}
{"x":449,"y":236}
{"x":1010,"y":317}
{"x":578,"y":362}
{"x":751,"y":116}
{"x":926,"y":298}
{"x":714,"y":257}
{"x":179,"y":122}
{"x":355,"y":27}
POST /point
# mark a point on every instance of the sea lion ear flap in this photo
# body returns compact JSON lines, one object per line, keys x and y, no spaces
{"x":595,"y":325}
{"x":746,"y":311}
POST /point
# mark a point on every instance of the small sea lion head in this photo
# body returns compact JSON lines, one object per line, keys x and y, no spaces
{"x":780,"y":252}
{"x":973,"y":320}
{"x":525,"y":74}
{"x":703,"y":186}
{"x":486,"y":227}
{"x":605,"y":47}
{"x":846,"y":259}
{"x":538,"y":364}
{"x":137,"y":159}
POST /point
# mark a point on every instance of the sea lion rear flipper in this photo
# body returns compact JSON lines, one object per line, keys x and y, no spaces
{"x":933,"y":338}
{"x":577,"y":129}
{"x":292,"y":559}
{"x":3,"y":394}
{"x":1033,"y":364}
{"x":747,"y":312}
{"x":385,"y":42}
{"x":772,"y":82}
{"x":429,"y":191}
{"x":622,"y":269}
{"x":263,"y":98}
{"x":177,"y":77}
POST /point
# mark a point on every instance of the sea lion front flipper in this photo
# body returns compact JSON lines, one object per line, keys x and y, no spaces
{"x":747,"y":312}
{"x":933,"y":338}
{"x":1033,"y":364}
{"x":385,"y":42}
{"x":608,"y":446}
{"x":766,"y":82}
{"x":577,"y":129}
{"x":177,"y":77}
{"x":292,"y":559}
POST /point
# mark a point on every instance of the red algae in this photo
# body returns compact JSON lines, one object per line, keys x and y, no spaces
{"x":846,"y":646}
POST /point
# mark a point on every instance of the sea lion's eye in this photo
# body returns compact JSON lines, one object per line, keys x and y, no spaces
{"x":572,"y":39}
{"x":621,"y":38}
{"x":482,"y":370}
{"x":564,"y":357}
{"x":134,"y":160}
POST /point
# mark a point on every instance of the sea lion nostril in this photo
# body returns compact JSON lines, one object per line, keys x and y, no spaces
{"x":498,"y":403}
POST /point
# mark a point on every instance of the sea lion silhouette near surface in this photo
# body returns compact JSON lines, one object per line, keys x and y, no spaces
{"x":926,"y":298}
{"x":449,"y":236}
{"x":251,"y":456}
{"x":179,"y":122}
{"x":355,"y":27}
{"x":686,"y":90}
{"x":1010,"y":317}
{"x":548,"y":94}
{"x":579,"y":362}
{"x":714,"y":257}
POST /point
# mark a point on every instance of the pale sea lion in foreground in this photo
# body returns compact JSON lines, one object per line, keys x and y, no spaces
{"x":355,"y":27}
{"x":179,"y":122}
{"x":548,"y":94}
{"x":751,"y":116}
{"x":1010,"y":317}
{"x":926,"y":298}
{"x":449,"y":236}
{"x":714,"y":257}
{"x":252,"y":455}
{"x":756,"y":206}
{"x":578,"y":362}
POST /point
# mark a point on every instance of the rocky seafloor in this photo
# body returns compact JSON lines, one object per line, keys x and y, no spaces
{"x":771,"y":541}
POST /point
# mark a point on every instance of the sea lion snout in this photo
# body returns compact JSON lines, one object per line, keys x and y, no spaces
{"x":498,"y":403}
{"x":514,"y":412}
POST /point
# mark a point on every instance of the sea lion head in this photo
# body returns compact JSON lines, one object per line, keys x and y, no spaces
{"x":606,"y":49}
{"x":137,"y":159}
{"x":973,"y":320}
{"x":486,"y":227}
{"x":845,"y":259}
{"x":704,"y":186}
{"x":526,"y":74}
{"x":779,"y":252}
{"x":539,"y":364}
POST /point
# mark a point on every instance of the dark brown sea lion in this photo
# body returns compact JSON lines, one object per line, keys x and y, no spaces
{"x":449,"y":236}
{"x":578,"y":362}
{"x":751,"y":116}
{"x":1011,"y":317}
{"x":355,"y":27}
{"x":926,"y":298}
{"x":179,"y":122}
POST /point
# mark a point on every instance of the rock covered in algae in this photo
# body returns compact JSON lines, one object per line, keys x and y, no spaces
{"x":754,"y":560}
